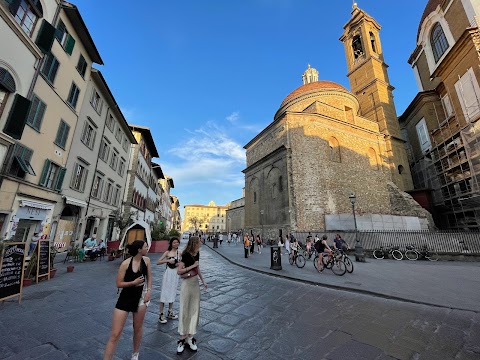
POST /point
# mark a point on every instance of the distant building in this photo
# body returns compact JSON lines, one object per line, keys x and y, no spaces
{"x":210,"y":218}
{"x":236,"y":215}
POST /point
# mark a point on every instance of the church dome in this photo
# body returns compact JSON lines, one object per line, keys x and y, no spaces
{"x":429,"y":8}
{"x":317,"y":86}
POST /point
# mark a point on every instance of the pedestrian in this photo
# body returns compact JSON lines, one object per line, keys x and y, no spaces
{"x":234,"y":238}
{"x":33,"y":242}
{"x":246,"y":244}
{"x":220,"y":238}
{"x":259,"y":244}
{"x":189,"y":270}
{"x":135,"y":279}
{"x":171,"y":257}
{"x":252,"y":244}
{"x":287,"y":245}
{"x":229,"y":238}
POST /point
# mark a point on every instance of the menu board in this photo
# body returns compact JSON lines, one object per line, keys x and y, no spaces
{"x":43,"y":258}
{"x":11,"y":270}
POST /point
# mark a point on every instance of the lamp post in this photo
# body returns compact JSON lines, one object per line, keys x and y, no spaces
{"x":359,"y":254}
{"x":228,"y":225}
{"x":261,"y":221}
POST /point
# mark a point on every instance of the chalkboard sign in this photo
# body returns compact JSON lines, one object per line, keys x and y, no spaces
{"x":43,"y":258}
{"x":12,"y":261}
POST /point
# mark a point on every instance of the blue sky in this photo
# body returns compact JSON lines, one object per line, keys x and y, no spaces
{"x":207,"y":75}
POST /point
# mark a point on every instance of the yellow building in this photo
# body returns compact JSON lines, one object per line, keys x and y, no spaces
{"x":209,"y":218}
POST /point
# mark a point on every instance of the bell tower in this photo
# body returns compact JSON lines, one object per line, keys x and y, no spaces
{"x":369,"y":82}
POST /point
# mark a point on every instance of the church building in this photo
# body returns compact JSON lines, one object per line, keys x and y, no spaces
{"x":327,"y":144}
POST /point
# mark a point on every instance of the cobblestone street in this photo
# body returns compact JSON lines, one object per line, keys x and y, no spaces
{"x":244,"y":315}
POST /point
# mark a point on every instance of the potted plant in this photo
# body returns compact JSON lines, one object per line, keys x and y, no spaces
{"x":53,"y":253}
{"x":119,"y":254}
{"x":111,"y":257}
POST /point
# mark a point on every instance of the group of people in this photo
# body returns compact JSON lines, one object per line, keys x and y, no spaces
{"x":249,"y":243}
{"x":134,"y":278}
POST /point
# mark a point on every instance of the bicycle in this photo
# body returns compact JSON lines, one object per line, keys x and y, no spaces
{"x":413,"y":254}
{"x":298,"y":259}
{"x":383,"y":252}
{"x":333,"y":263}
{"x":344,"y":257}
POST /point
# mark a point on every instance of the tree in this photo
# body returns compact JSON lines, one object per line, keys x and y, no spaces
{"x":122,"y":220}
{"x":195,"y":221}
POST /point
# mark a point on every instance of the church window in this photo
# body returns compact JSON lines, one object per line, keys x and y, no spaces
{"x":372,"y":157}
{"x":447,"y":106}
{"x":334,"y":148}
{"x":372,"y":41}
{"x":254,"y":197}
{"x":280,"y":184}
{"x":423,"y":136}
{"x":274,"y":191}
{"x":357,"y":47}
{"x":438,"y":41}
{"x":468,"y":93}
{"x":400,"y":169}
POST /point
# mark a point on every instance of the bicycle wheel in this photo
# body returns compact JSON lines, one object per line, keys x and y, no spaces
{"x":432,"y":256}
{"x":300,"y":261}
{"x":397,"y":254}
{"x":411,"y":255}
{"x":348,"y":264}
{"x":338,"y":267}
{"x":327,"y":262}
{"x":315,"y":260}
{"x":378,"y":254}
{"x":290,"y":259}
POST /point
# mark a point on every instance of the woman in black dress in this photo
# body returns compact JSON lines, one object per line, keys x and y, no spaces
{"x":135,"y":279}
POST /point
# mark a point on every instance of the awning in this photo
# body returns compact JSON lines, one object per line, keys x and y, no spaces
{"x":34,"y":204}
{"x":75,"y":202}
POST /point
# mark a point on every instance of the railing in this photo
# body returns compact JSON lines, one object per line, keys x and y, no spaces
{"x":440,"y":241}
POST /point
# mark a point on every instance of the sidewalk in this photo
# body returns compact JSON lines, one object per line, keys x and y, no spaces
{"x":454,"y":285}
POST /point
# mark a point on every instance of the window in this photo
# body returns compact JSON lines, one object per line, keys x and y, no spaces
{"x":37,"y":110}
{"x":64,"y":38}
{"x":116,"y":195}
{"x":97,"y":186}
{"x":3,"y":99}
{"x":24,"y":15}
{"x":121,"y":168}
{"x":79,"y":177}
{"x":372,"y":41}
{"x":73,"y":95}
{"x":125,"y":143}
{"x":50,"y":67}
{"x":21,"y":161}
{"x":17,"y":118}
{"x":110,"y":123}
{"x":254,"y":197}
{"x":104,"y":150}
{"x":280,"y":183}
{"x":88,"y":135}
{"x":400,"y":169}
{"x":423,"y":137}
{"x":96,"y":102}
{"x":438,"y":41}
{"x":468,"y":94}
{"x":447,"y":106}
{"x":334,"y":149}
{"x":62,"y":134}
{"x":349,"y":114}
{"x":114,"y":160}
{"x":119,"y":134}
{"x":372,"y":157}
{"x":82,"y":65}
{"x":108,"y":192}
{"x":357,"y":47}
{"x":52,"y":176}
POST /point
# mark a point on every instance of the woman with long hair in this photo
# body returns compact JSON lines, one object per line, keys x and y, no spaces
{"x":189,"y":270}
{"x":171,"y":257}
{"x":258,"y":240}
{"x":135,"y":279}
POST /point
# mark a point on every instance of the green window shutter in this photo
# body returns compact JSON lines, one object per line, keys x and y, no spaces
{"x":43,"y":177}
{"x":37,"y":110}
{"x":45,"y":37}
{"x":69,"y":45}
{"x":66,"y":130}
{"x":60,"y":177}
{"x":17,"y":117}
{"x":14,"y":5}
{"x":53,"y":70}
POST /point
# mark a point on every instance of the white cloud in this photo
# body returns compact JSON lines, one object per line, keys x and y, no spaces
{"x":233,"y":117}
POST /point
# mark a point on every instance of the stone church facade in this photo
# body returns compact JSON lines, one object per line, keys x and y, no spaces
{"x":325,"y":143}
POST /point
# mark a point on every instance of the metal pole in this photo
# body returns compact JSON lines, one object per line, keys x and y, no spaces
{"x":359,"y":254}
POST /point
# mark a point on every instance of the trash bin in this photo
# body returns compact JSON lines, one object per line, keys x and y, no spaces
{"x":275,"y":258}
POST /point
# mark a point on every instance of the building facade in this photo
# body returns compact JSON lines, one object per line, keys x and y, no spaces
{"x":325,"y":143}
{"x":176,"y":216}
{"x":441,"y":123}
{"x":166,"y":201}
{"x":236,"y":215}
{"x":210,"y":218}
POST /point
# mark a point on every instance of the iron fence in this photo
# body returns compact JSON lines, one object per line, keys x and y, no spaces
{"x":439,"y":241}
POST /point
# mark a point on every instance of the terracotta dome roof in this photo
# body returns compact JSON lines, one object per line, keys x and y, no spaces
{"x":429,"y":8}
{"x":317,"y":85}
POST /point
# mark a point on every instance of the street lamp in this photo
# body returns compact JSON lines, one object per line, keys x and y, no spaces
{"x":261,"y":221}
{"x":359,"y":254}
{"x":228,"y":225}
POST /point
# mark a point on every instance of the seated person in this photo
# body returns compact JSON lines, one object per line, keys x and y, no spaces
{"x":91,"y":247}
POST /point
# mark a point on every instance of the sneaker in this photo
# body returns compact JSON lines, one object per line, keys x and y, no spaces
{"x":162,"y":319}
{"x":181,"y":346}
{"x":135,"y":356}
{"x":192,"y":343}
{"x":171,"y":315}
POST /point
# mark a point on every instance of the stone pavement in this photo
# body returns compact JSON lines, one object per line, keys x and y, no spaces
{"x":244,"y":315}
{"x":449,"y":284}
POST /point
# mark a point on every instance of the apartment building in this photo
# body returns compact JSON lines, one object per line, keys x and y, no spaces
{"x":166,"y":201}
{"x":209,"y":218}
{"x":441,"y":124}
{"x":41,"y":124}
{"x":176,"y":216}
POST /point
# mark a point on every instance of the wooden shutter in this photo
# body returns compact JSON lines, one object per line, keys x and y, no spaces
{"x":60,"y":177}
{"x":14,"y":5}
{"x":37,"y":110}
{"x":43,"y":177}
{"x":17,"y":117}
{"x":69,"y":45}
{"x":45,"y":37}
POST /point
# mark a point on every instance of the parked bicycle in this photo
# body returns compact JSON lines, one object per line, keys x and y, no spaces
{"x":297,"y":259}
{"x":332,"y":262}
{"x":384,"y":252}
{"x":413,"y":254}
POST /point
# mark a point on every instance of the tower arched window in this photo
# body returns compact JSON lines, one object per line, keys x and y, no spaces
{"x":372,"y":41}
{"x":357,"y":47}
{"x":438,"y":41}
{"x":334,"y":149}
